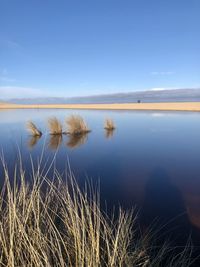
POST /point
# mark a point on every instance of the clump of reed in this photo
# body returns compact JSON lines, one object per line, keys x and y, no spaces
{"x":109,"y":125}
{"x":55,"y":126}
{"x":76,"y":125}
{"x":32,"y":128}
{"x":52,"y":222}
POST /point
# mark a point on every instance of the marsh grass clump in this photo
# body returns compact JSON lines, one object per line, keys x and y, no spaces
{"x":76,"y":125}
{"x":53,"y":222}
{"x":33,"y":130}
{"x":55,"y":126}
{"x":109,"y":125}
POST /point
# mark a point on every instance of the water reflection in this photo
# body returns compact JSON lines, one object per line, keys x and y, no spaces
{"x":165,"y":210}
{"x":77,"y":140}
{"x":55,"y":141}
{"x":123,"y":166}
{"x":32,"y":141}
{"x":109,"y":134}
{"x":193,"y":208}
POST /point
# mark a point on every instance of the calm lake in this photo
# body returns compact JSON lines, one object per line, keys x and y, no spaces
{"x":151,"y":161}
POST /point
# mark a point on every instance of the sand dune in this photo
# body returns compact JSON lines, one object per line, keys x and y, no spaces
{"x":176,"y":106}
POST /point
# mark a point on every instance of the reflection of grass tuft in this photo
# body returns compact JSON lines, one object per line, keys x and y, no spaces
{"x":109,"y":125}
{"x":32,"y":128}
{"x":53,"y":223}
{"x":109,"y":133}
{"x":77,"y":140}
{"x":33,"y":141}
{"x":55,"y":126}
{"x":55,"y":141}
{"x":76,"y":125}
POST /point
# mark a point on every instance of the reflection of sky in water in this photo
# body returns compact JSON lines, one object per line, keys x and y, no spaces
{"x":142,"y":142}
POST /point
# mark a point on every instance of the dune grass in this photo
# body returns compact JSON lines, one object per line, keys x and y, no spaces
{"x":33,"y":130}
{"x":55,"y":126}
{"x":109,"y":125}
{"x":50,"y":221}
{"x":76,"y":125}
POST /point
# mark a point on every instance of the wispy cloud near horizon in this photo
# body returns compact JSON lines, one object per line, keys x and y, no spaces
{"x":8,"y":92}
{"x":10,"y":43}
{"x":4,"y":77}
{"x":162,"y":73}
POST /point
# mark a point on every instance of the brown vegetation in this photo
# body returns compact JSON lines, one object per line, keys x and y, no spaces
{"x":64,"y":226}
{"x":76,"y":125}
{"x":109,"y":125}
{"x":55,"y":126}
{"x":32,"y":128}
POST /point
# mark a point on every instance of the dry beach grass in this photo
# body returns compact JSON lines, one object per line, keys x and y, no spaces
{"x":50,"y":221}
{"x":76,"y":125}
{"x":109,"y":125}
{"x":32,"y":128}
{"x":55,"y":127}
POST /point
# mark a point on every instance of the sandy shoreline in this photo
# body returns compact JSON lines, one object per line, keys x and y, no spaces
{"x":176,"y":106}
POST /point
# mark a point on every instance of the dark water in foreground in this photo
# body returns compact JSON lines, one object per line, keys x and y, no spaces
{"x":152,"y":161}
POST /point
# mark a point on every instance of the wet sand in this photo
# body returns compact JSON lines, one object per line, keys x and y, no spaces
{"x":176,"y":106}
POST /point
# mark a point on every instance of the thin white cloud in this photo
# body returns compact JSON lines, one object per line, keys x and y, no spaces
{"x":158,"y":89}
{"x":6,"y":79}
{"x":4,"y":76}
{"x":163,"y":88}
{"x":7,"y":92}
{"x":162,"y":73}
{"x":10,"y":44}
{"x":4,"y":72}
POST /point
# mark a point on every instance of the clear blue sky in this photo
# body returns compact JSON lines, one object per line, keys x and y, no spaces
{"x":70,"y":48}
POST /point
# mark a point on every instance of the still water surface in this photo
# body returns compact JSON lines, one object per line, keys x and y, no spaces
{"x":152,"y":159}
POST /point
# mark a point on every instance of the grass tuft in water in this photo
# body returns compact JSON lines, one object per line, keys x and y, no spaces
{"x":109,"y":125}
{"x":55,"y":126}
{"x":76,"y":125}
{"x":32,"y":128}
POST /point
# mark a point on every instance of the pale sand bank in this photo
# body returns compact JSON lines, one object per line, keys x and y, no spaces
{"x":176,"y":106}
